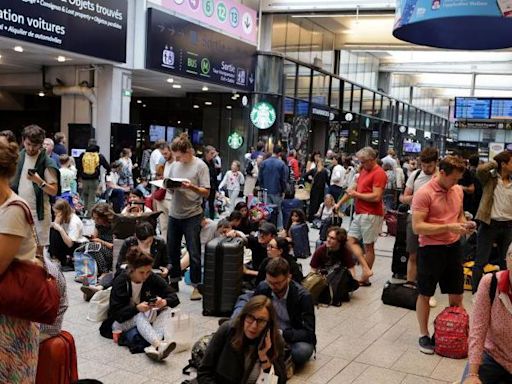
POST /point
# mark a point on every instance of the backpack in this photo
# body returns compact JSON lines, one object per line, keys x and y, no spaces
{"x":90,"y":162}
{"x":451,"y":330}
{"x":340,"y":283}
{"x":198,"y":351}
{"x":315,"y":283}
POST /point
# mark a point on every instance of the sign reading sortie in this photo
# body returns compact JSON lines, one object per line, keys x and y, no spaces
{"x":226,"y":15}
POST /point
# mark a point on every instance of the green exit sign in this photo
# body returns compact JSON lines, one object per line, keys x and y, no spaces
{"x":127,"y":93}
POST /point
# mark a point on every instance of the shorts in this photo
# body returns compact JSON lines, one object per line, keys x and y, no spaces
{"x":440,"y":264}
{"x":412,"y":239}
{"x":366,"y":227}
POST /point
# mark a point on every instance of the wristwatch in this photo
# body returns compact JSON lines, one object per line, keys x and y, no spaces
{"x":42,"y":185}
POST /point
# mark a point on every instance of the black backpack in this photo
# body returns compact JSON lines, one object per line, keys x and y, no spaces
{"x":198,"y":351}
{"x":339,"y":284}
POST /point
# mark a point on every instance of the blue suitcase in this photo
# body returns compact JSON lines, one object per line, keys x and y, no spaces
{"x":300,"y":239}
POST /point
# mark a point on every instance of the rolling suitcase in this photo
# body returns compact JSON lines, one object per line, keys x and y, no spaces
{"x":400,"y":255}
{"x":57,"y":360}
{"x":223,"y":272}
{"x":300,"y":239}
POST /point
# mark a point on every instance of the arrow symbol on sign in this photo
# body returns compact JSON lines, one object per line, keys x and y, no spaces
{"x":172,"y":31}
{"x":247,"y":22}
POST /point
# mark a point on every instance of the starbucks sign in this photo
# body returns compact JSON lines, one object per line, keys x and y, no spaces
{"x":263,"y":115}
{"x":235,"y":140}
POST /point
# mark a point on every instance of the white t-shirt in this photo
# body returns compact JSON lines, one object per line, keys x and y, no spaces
{"x":338,"y":175}
{"x":75,"y":229}
{"x":26,"y":192}
{"x":502,"y":208}
{"x":136,"y":288}
{"x":14,"y":223}
{"x":420,"y":181}
{"x":155,"y":159}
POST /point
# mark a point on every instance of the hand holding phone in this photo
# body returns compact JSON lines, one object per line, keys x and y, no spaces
{"x":152,"y":300}
{"x":32,"y":171}
{"x":264,"y":346}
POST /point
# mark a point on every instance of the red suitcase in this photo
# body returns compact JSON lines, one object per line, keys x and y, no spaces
{"x":57,"y":360}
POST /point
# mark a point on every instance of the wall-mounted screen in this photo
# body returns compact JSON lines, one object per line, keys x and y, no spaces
{"x":197,"y":137}
{"x":501,"y":109}
{"x":156,"y":132}
{"x":171,"y":133}
{"x":472,"y":108}
{"x":412,"y":147}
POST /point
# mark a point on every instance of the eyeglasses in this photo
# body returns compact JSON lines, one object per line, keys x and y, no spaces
{"x":250,"y":319}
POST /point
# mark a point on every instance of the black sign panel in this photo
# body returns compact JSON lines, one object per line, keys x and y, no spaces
{"x":89,"y":27}
{"x":179,"y":47}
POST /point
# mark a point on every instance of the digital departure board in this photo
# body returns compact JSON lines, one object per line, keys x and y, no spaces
{"x":472,"y":108}
{"x":501,"y":109}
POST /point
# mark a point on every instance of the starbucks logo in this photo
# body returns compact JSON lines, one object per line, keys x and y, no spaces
{"x":263,"y":115}
{"x":235,"y":140}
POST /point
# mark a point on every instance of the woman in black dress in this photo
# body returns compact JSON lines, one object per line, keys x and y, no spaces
{"x":319,"y":178}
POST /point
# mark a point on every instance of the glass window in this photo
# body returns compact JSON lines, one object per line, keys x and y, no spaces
{"x":367,"y":108}
{"x":400,"y":107}
{"x":356,"y":99}
{"x":290,"y":74}
{"x":320,"y":90}
{"x":279,"y":26}
{"x":377,"y":107}
{"x":292,"y":39}
{"x":304,"y":82}
{"x":305,"y":41}
{"x":335,"y":92}
{"x":347,"y":95}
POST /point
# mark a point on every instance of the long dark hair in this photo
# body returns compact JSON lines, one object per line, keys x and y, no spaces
{"x":238,"y":341}
{"x":300,"y":213}
{"x":284,"y":245}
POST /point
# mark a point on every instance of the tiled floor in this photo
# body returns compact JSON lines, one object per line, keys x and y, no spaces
{"x":362,"y":342}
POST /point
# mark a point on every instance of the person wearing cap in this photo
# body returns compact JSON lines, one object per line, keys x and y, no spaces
{"x":258,"y":244}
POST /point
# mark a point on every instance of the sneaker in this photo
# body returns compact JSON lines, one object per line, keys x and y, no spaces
{"x":89,"y":291}
{"x":426,"y":345}
{"x":195,"y":295}
{"x":432,"y":302}
{"x":152,"y":353}
{"x":165,"y":349}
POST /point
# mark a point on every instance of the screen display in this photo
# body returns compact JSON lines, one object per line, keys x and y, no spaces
{"x":197,"y":137}
{"x":412,"y":147}
{"x":472,"y":108}
{"x":156,"y":132}
{"x":501,"y":109}
{"x":171,"y":133}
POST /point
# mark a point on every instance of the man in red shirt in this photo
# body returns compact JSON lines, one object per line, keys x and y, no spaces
{"x":438,"y":218}
{"x":294,"y":164}
{"x":369,"y":210}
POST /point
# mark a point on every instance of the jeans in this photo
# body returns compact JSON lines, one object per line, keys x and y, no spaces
{"x":499,"y":233}
{"x":301,"y":352}
{"x":189,"y":228}
{"x":277,"y":199}
{"x":89,"y":188}
{"x":490,"y":372}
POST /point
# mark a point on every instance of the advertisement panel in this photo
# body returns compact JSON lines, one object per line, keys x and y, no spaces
{"x":229,"y":16}
{"x":495,"y":148}
{"x":93,"y":28}
{"x":177,"y":46}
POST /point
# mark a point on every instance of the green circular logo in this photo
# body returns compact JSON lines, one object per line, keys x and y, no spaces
{"x":222,"y":12}
{"x":205,"y":66}
{"x":263,"y":115}
{"x":208,"y":7}
{"x":235,"y":140}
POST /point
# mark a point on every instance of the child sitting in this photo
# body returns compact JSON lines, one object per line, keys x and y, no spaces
{"x":298,"y":233}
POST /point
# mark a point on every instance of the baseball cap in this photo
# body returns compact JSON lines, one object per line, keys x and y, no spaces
{"x":268,"y":228}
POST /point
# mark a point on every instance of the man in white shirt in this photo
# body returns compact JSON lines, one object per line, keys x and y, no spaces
{"x":337,"y":177}
{"x":156,"y":157}
{"x":37,"y":178}
{"x":390,"y":159}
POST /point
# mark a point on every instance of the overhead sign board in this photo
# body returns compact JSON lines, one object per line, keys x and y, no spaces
{"x":229,"y":16}
{"x":179,"y":47}
{"x":472,"y":108}
{"x":93,"y":28}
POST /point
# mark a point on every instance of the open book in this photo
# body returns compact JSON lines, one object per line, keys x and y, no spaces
{"x":169,"y":183}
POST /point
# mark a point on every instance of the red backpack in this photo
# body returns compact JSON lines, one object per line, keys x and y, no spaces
{"x":451,"y":329}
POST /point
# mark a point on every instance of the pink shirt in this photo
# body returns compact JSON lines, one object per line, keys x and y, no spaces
{"x":442,"y":207}
{"x":490,"y":327}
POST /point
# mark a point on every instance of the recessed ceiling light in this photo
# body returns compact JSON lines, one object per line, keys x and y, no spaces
{"x":228,"y":107}
{"x":18,"y":48}
{"x":139,"y":101}
{"x":233,"y":97}
{"x":170,"y":80}
{"x":208,"y":103}
{"x":41,"y":94}
{"x":61,"y":59}
{"x":144,"y":105}
{"x":195,"y":106}
{"x":205,"y":88}
{"x":179,"y":121}
{"x":176,"y":85}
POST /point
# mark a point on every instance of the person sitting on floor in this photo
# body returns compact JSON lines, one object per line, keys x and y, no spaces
{"x":245,"y":226}
{"x":66,"y":234}
{"x":244,"y":350}
{"x":333,"y":252}
{"x":139,"y":298}
{"x":103,"y":216}
{"x":136,"y":204}
{"x":279,"y":247}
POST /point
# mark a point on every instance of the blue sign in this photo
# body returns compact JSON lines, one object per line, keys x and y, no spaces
{"x":472,"y":108}
{"x":455,"y":24}
{"x":501,"y":109}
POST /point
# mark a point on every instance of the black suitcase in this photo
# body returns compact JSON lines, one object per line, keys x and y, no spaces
{"x":223,"y":272}
{"x":400,"y":254}
{"x":400,"y":295}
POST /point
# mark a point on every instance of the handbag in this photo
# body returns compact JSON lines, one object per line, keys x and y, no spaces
{"x":400,"y":295}
{"x":180,"y":329}
{"x":98,"y":306}
{"x":159,"y":194}
{"x":315,"y":283}
{"x":29,"y":291}
{"x":268,"y":378}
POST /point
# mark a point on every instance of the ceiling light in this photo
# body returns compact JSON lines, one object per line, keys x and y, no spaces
{"x":233,"y":97}
{"x":61,"y":59}
{"x":18,"y":48}
{"x":41,"y":94}
{"x":228,"y":107}
{"x":208,"y":103}
{"x":205,"y":88}
{"x":176,"y":86}
{"x":139,"y":101}
{"x":170,"y":80}
{"x":144,"y":105}
{"x":195,"y":106}
{"x":179,"y":121}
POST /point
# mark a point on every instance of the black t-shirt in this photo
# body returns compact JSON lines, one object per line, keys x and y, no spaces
{"x":467,"y":180}
{"x":259,"y":251}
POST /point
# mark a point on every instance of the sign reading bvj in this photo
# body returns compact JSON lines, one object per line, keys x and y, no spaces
{"x":177,"y":46}
{"x":89,"y":27}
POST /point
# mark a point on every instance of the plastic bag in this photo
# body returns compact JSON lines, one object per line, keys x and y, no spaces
{"x":98,"y":306}
{"x":86,"y":270}
{"x":180,"y":330}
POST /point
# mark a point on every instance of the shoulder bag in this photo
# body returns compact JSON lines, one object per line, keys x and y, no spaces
{"x":27,"y":290}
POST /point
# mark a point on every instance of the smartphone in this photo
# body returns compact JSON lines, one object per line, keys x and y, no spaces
{"x":262,"y":341}
{"x":32,"y":171}
{"x":152,"y":300}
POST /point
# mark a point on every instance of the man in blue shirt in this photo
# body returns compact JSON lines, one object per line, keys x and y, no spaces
{"x":273,"y":173}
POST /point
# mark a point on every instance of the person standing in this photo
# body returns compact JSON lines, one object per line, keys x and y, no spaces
{"x":233,"y":181}
{"x":60,"y":141}
{"x":156,"y":158}
{"x":209,"y":154}
{"x":272,"y":176}
{"x":126,"y":172}
{"x":337,"y":177}
{"x":186,"y":210}
{"x":438,"y":218}
{"x":165,"y":204}
{"x":369,"y":211}
{"x":37,"y":178}
{"x":48,"y":145}
{"x":390,"y":159}
{"x":494,"y":213}
{"x":88,"y":166}
{"x":293,"y":163}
